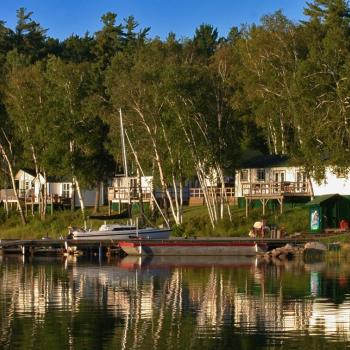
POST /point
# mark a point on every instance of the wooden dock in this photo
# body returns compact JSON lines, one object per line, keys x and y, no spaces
{"x":102,"y":248}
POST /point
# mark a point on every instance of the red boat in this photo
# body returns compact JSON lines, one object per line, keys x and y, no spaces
{"x":192,"y":247}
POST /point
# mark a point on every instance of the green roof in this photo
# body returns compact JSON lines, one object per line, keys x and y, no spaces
{"x":320,"y":199}
{"x":265,"y":161}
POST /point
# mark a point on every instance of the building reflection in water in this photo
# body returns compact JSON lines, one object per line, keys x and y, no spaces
{"x":166,"y":302}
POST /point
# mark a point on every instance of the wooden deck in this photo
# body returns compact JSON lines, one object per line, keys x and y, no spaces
{"x":196,"y":195}
{"x":129,"y":194}
{"x":265,"y":191}
{"x":8,"y":199}
{"x":275,"y":189}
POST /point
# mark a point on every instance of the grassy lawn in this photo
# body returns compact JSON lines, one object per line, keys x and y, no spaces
{"x":196,"y":223}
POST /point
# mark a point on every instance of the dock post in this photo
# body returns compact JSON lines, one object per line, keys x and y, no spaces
{"x":23,"y":249}
{"x":31,"y":251}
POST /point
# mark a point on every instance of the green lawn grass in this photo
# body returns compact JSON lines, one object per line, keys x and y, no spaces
{"x":196,"y":223}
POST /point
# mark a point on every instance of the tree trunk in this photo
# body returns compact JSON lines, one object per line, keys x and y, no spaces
{"x":139,"y":166}
{"x":81,"y":199}
{"x":139,"y":184}
{"x":159,"y":165}
{"x":181,"y":203}
{"x":97,"y":198}
{"x":43,"y":215}
{"x":72,"y":199}
{"x":9,"y":165}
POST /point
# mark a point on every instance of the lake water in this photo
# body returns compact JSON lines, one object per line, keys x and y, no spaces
{"x":173,"y":303}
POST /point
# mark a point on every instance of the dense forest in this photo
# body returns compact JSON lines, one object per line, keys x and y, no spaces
{"x":189,"y":105}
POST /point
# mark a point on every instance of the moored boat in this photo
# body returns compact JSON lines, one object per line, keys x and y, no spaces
{"x":192,"y":247}
{"x":119,"y":232}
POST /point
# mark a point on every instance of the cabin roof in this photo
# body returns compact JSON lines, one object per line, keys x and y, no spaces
{"x":29,"y":171}
{"x":265,"y":161}
{"x":321,"y":199}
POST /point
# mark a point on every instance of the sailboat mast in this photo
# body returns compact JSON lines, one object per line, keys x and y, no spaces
{"x":122,"y":137}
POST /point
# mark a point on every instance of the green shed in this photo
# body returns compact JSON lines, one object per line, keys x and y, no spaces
{"x":327,"y":211}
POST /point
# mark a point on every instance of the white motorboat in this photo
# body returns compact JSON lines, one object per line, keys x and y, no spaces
{"x":119,"y":232}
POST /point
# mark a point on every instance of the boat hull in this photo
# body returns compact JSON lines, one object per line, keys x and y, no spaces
{"x":196,"y":248}
{"x":121,"y":235}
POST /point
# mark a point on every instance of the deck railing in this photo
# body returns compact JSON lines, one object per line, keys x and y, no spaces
{"x":129,"y":193}
{"x":214,"y":191}
{"x":275,"y":188}
{"x":29,"y":197}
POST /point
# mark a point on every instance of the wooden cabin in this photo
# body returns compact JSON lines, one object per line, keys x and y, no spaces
{"x":213,"y":183}
{"x":127,"y":189}
{"x":268,"y":178}
{"x":59,"y":190}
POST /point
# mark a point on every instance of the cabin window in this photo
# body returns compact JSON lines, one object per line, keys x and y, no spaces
{"x":244,"y":175}
{"x":301,"y":176}
{"x":65,"y":190}
{"x":261,"y":174}
{"x":133,"y":182}
{"x":279,"y":176}
{"x":26,"y":185}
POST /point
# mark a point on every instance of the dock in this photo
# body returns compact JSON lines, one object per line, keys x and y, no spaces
{"x":101,"y":248}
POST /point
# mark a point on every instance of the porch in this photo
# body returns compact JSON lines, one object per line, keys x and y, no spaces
{"x":196,"y":195}
{"x":266,"y":191}
{"x":129,"y":194}
{"x":29,"y":200}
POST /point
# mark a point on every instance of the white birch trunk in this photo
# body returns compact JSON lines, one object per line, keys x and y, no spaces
{"x":9,"y":165}
{"x":159,"y":165}
{"x":81,"y":199}
{"x":181,"y":202}
{"x":200,"y":174}
{"x":45,"y":196}
{"x":143,"y":174}
{"x":225,"y":199}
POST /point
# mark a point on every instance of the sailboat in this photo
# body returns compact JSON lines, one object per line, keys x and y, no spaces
{"x":119,"y":231}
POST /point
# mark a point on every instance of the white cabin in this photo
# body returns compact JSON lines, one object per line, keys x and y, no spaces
{"x":126,"y":189}
{"x":59,"y":190}
{"x":24,"y":182}
{"x":267,"y":175}
{"x":334,"y":182}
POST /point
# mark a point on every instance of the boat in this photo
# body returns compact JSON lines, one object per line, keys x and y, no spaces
{"x":177,"y":247}
{"x":119,"y":232}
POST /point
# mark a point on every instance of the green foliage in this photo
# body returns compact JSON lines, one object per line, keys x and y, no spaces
{"x":189,"y":105}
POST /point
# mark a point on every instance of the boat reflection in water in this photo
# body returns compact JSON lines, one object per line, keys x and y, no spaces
{"x":173,"y":303}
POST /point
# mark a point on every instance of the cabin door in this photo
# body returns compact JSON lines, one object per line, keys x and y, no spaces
{"x":279,"y":177}
{"x":301,"y":181}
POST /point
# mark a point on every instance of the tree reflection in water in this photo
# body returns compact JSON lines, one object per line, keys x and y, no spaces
{"x":173,"y":303}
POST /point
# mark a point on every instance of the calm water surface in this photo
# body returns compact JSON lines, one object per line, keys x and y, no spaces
{"x":173,"y":303}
